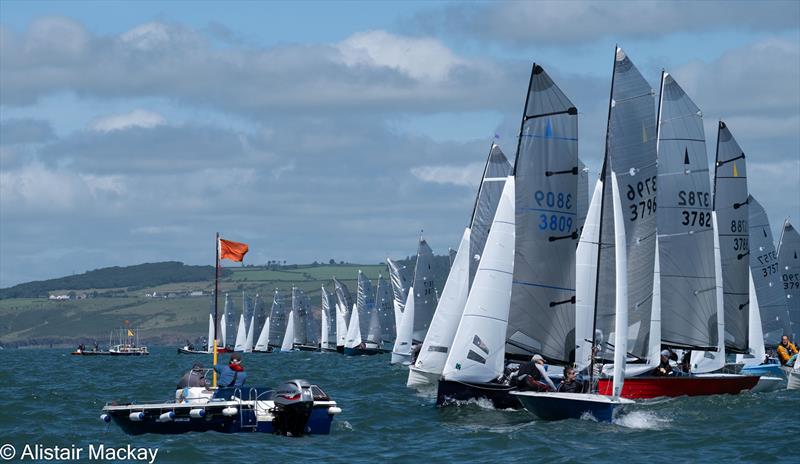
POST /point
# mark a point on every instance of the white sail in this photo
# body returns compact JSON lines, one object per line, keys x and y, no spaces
{"x":353,"y":330}
{"x":328,"y":305}
{"x":262,"y":344}
{"x":585,"y":279}
{"x":436,"y":345}
{"x":710,"y":361}
{"x":621,"y":300}
{"x":401,"y":352}
{"x":478,"y":347}
{"x":341,"y":325}
{"x":241,"y":335}
{"x":288,"y":336}
{"x":223,"y":325}
{"x":323,"y":339}
{"x":400,"y":283}
{"x":343,"y":305}
{"x":210,"y":343}
{"x":248,"y":342}
{"x":654,"y":358}
{"x":757,"y":350}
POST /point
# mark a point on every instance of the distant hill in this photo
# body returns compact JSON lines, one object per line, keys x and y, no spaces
{"x":131,"y":277}
{"x":167,"y":302}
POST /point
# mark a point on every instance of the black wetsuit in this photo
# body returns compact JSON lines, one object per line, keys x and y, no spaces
{"x":570,"y":387}
{"x":667,"y":370}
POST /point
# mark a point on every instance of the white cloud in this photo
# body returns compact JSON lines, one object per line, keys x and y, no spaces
{"x":465,"y":176}
{"x":136,"y":118}
{"x":421,"y":58}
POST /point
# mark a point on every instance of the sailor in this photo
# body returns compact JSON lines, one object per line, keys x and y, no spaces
{"x":787,"y":352}
{"x":533,"y":376}
{"x":570,"y":384}
{"x":664,"y":368}
{"x":232,"y":375}
{"x":194,"y":378}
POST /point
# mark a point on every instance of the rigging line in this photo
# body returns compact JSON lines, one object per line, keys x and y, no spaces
{"x":573,"y":171}
{"x":648,"y":94}
{"x":722,"y":163}
{"x":684,"y":139}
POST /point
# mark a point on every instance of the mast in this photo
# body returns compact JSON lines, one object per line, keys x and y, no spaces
{"x":600,"y":228}
{"x":216,"y":306}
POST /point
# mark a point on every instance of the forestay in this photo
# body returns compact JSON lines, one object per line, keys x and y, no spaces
{"x":542,"y":314}
{"x":631,"y":153}
{"x":730,"y":203}
{"x":685,"y":233}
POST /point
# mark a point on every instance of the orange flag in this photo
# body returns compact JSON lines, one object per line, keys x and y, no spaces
{"x":234,"y":251}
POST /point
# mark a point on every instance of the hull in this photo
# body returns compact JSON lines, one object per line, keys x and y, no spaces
{"x":793,"y":376}
{"x":560,"y":406}
{"x":340,"y":349}
{"x":185,"y":350}
{"x":768,"y":384}
{"x":307,"y":347}
{"x":417,"y":378}
{"x":689,"y":385}
{"x":770,"y":370}
{"x":452,"y":392}
{"x":234,"y":416}
{"x":361,"y":351}
{"x":398,"y":358}
{"x":110,"y":353}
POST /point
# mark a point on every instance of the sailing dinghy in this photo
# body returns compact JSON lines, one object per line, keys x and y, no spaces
{"x":363,"y":333}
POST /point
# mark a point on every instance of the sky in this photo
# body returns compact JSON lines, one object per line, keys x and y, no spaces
{"x":131,"y":132}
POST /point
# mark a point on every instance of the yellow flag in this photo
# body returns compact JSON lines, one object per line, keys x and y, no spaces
{"x":735,"y":171}
{"x":130,"y":333}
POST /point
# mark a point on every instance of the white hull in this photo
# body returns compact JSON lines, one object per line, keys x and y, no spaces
{"x":422,"y":380}
{"x":769,"y":384}
{"x":794,"y":378}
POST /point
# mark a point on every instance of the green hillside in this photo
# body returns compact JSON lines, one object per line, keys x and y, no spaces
{"x":167,"y":310}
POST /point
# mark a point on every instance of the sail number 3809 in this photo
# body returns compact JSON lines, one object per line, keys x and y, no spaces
{"x":559,"y":222}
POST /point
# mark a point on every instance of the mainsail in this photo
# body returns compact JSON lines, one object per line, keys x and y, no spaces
{"x":494,"y":177}
{"x":277,"y":319}
{"x":730,"y":203}
{"x":300,"y":307}
{"x":789,"y":263}
{"x":328,"y":320}
{"x":343,"y":304}
{"x":766,"y":277}
{"x":542,"y":316}
{"x":424,"y":291}
{"x":685,"y":233}
{"x":400,"y":283}
{"x":385,"y":308}
{"x":262,"y":343}
{"x":367,"y":316}
{"x":631,"y":153}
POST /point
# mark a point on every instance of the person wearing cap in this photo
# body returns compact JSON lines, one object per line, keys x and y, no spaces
{"x":663,"y":369}
{"x":533,"y":376}
{"x":194,"y":378}
{"x":232,"y":375}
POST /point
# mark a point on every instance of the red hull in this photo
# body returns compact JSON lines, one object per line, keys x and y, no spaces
{"x":653,"y":387}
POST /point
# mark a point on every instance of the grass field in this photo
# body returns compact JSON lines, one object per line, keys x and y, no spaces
{"x":39,"y":321}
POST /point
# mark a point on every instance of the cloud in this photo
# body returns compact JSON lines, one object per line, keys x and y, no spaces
{"x":559,"y":23}
{"x":25,"y":131}
{"x":368,"y":72}
{"x":465,"y":176}
{"x":135,"y":118}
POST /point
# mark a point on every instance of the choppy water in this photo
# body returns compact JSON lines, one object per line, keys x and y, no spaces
{"x":52,"y":398}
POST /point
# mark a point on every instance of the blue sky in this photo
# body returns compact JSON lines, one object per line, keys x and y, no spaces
{"x":132,"y":131}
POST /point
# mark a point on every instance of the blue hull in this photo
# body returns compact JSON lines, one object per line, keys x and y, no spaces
{"x":771,"y":370}
{"x":451,"y":392}
{"x":554,"y":408}
{"x":361,"y":351}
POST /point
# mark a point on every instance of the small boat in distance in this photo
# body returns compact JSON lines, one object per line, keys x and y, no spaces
{"x":121,"y":342}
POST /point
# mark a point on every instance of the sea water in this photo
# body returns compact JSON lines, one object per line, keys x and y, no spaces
{"x":50,"y":399}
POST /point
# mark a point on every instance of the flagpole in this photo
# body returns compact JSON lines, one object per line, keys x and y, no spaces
{"x":216,"y":304}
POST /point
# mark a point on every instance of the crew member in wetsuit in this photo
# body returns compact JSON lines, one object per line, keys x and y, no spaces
{"x":570,"y":383}
{"x":532,"y":376}
{"x":232,"y":375}
{"x":663,"y":369}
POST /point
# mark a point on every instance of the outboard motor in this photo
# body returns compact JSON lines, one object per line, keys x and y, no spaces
{"x":293,"y":402}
